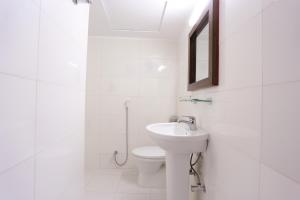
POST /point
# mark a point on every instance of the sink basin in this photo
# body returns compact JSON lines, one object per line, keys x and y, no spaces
{"x":179,"y":142}
{"x":176,"y":137}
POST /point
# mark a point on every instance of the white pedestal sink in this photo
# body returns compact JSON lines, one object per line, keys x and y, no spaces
{"x":179,"y":142}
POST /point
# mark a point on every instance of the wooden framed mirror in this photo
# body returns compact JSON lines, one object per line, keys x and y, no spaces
{"x":204,"y":49}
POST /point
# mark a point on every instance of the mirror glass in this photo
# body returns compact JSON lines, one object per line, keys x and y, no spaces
{"x":202,"y":54}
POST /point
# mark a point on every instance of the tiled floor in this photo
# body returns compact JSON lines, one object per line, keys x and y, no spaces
{"x":116,"y":184}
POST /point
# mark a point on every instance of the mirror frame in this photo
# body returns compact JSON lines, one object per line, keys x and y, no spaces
{"x":211,"y":17}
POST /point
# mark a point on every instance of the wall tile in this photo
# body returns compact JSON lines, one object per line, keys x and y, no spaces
{"x":153,"y":87}
{"x":61,"y":60}
{"x":112,"y":130}
{"x":17,"y":120}
{"x":119,"y":86}
{"x":280,"y":46}
{"x":251,"y":124}
{"x":92,"y":160}
{"x":276,"y":187}
{"x":118,"y":67}
{"x":37,"y":2}
{"x":94,"y":63}
{"x":242,"y":57}
{"x":123,"y":69}
{"x":235,"y":14}
{"x":235,"y":118}
{"x":158,"y":49}
{"x":114,"y":105}
{"x":280,"y":142}
{"x":92,"y":132}
{"x":92,"y":112}
{"x":107,"y":160}
{"x":92,"y":147}
{"x":267,"y":3}
{"x":72,"y":18}
{"x":56,"y":37}
{"x":18,"y":182}
{"x":19,"y":38}
{"x":60,"y":112}
{"x":57,"y":167}
{"x":158,"y":68}
{"x":229,"y":174}
{"x":121,"y":48}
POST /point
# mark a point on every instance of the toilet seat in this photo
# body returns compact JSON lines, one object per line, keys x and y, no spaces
{"x":149,"y":152}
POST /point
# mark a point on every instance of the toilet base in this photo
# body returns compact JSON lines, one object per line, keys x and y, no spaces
{"x":153,"y":180}
{"x":150,"y":162}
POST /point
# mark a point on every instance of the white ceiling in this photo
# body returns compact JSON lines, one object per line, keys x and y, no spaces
{"x":139,"y":18}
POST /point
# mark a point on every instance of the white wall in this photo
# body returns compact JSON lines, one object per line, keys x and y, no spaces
{"x":120,"y":68}
{"x":254,"y":119}
{"x":42,"y":96}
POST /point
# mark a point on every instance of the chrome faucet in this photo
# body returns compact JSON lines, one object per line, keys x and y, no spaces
{"x":190,"y":121}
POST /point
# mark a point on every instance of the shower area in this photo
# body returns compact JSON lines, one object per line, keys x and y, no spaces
{"x":131,"y":83}
{"x":131,"y":75}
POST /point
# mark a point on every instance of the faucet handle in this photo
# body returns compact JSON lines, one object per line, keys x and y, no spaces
{"x":190,"y":120}
{"x":190,"y":117}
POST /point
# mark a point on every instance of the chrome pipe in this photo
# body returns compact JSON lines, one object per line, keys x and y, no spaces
{"x":196,"y":188}
{"x":120,"y":164}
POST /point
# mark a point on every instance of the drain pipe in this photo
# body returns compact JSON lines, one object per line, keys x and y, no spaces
{"x":120,"y":164}
{"x":199,"y":185}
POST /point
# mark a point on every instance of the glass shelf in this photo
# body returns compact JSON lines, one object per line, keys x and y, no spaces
{"x":195,"y":100}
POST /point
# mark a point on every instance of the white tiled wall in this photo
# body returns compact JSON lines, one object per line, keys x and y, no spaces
{"x":254,"y":119}
{"x":121,"y":68}
{"x":42,"y":92}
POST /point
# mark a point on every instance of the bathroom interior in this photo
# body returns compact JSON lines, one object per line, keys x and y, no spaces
{"x":149,"y":100}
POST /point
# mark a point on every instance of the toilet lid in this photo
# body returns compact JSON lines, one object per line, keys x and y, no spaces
{"x":149,"y":152}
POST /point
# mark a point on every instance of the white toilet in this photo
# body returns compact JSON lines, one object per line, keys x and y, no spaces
{"x":150,"y":161}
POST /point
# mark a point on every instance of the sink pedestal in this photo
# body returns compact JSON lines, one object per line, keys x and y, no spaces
{"x":178,"y":184}
{"x":179,"y":143}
